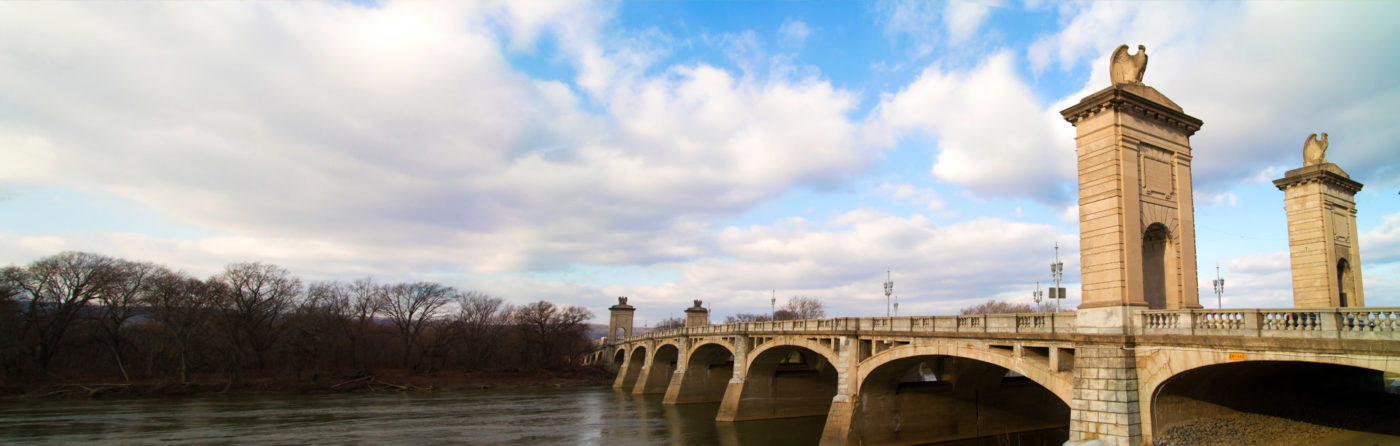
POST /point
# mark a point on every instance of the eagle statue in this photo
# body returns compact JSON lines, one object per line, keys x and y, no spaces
{"x":1313,"y":149}
{"x":1127,"y":68}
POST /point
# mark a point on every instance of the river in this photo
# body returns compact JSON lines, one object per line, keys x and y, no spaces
{"x":586,"y":415}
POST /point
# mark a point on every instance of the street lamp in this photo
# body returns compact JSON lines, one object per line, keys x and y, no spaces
{"x":1219,"y":283}
{"x":889,"y":288}
{"x":1057,"y":270}
{"x":1037,"y":295}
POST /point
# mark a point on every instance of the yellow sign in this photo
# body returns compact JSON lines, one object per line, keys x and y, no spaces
{"x":1236,"y":356}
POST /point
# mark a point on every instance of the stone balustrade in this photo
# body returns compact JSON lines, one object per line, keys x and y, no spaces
{"x":980,"y":323}
{"x":1344,"y":323}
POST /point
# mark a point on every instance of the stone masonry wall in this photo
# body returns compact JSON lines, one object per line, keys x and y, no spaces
{"x":1105,"y":405}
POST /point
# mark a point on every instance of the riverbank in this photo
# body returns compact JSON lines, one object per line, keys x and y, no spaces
{"x":378,"y":381}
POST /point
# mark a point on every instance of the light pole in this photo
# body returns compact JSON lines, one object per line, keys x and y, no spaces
{"x":1037,"y":295}
{"x":889,"y":288}
{"x":773,"y":304}
{"x":1057,"y":270}
{"x":1219,"y":283}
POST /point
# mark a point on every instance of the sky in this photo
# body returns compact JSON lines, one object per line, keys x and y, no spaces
{"x":669,"y":151}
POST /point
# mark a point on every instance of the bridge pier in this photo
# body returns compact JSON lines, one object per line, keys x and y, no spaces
{"x":1105,"y":405}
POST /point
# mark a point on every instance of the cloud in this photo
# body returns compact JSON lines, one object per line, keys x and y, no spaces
{"x":963,"y":18}
{"x":842,"y":260}
{"x":1382,"y":244}
{"x":1234,"y":58}
{"x":401,"y":133}
{"x":993,"y":136}
{"x":908,"y":193}
{"x":794,"y":32}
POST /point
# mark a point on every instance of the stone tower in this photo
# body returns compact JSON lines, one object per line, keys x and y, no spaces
{"x":697,"y":316}
{"x":620,"y":317}
{"x":1137,"y":236}
{"x":1322,"y":238}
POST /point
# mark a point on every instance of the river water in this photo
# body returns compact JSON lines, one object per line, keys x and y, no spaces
{"x":586,"y":416}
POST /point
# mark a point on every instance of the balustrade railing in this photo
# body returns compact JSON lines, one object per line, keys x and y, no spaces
{"x":1346,"y":323}
{"x":982,"y":323}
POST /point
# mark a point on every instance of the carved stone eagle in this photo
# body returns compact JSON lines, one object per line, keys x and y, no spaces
{"x":1313,"y":150}
{"x":1126,"y":68}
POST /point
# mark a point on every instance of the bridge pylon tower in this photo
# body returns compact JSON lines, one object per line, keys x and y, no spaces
{"x":1137,"y":238}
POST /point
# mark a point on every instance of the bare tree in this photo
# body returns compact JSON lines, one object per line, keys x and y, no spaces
{"x":253,"y":298}
{"x":11,"y":329}
{"x":803,"y":307}
{"x":553,"y":334}
{"x":55,"y":290}
{"x":994,"y":306}
{"x":483,"y":320}
{"x":670,"y":323}
{"x":748,"y":317}
{"x":119,"y":303}
{"x":355,"y":305}
{"x":410,"y":306}
{"x":180,"y":304}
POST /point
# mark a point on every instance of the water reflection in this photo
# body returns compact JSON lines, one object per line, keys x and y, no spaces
{"x":565,"y":416}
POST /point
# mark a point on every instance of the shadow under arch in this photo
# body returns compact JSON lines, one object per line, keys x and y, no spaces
{"x":1335,"y":395}
{"x":663,"y":364}
{"x":782,"y":381}
{"x":636,"y":359}
{"x":707,"y":374}
{"x":927,"y":398}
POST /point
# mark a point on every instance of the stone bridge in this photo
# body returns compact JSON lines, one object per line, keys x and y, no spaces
{"x":913,"y":380}
{"x":1137,"y":356}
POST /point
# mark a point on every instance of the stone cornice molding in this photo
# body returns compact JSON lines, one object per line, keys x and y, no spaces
{"x":1122,"y":98}
{"x":1326,"y":173}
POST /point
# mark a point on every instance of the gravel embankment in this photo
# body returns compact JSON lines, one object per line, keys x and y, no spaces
{"x":1245,"y":429}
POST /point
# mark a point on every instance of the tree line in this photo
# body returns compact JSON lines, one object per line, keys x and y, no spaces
{"x":78,"y":315}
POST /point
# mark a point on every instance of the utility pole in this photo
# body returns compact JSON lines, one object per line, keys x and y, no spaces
{"x":889,"y":288}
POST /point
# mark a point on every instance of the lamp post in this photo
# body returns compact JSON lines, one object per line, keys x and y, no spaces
{"x":1057,"y":270}
{"x":773,"y":304}
{"x":889,"y":288}
{"x":1219,"y":283}
{"x":1037,"y":295}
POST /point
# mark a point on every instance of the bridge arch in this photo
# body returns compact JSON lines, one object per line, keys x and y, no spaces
{"x":632,"y":368}
{"x":916,"y":394}
{"x":784,"y":379}
{"x":1178,"y":385}
{"x":709,"y":365}
{"x":656,"y":375}
{"x":808,"y":344}
{"x":1059,"y":383}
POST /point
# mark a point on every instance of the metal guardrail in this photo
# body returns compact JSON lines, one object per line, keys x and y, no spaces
{"x":981,"y":323}
{"x":1334,"y":322}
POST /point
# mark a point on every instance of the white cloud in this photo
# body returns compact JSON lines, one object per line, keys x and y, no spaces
{"x":963,"y":18}
{"x":993,"y":136}
{"x":908,"y":193}
{"x":1382,"y":244}
{"x":401,"y":133}
{"x":794,"y":32}
{"x":1234,"y":58}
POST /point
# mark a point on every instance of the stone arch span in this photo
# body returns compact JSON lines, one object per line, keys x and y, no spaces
{"x":1178,"y":385}
{"x":1059,"y":383}
{"x":808,"y":344}
{"x":782,"y":380}
{"x":656,"y":374}
{"x":632,"y":368}
{"x":709,"y":365}
{"x":921,"y":394}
